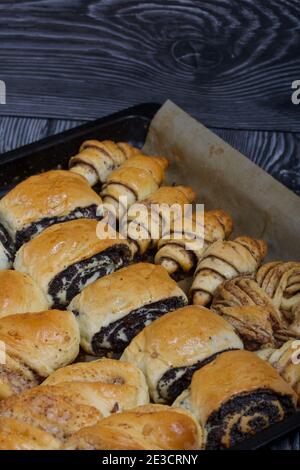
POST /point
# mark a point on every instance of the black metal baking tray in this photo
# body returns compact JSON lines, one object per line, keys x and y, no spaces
{"x":130,"y":125}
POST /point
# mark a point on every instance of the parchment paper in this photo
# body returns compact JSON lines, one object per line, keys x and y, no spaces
{"x":223,"y":178}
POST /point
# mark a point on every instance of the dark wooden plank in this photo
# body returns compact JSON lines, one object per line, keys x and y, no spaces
{"x":228,"y":62}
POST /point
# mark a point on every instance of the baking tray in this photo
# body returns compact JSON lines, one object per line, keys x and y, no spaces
{"x":129,"y":125}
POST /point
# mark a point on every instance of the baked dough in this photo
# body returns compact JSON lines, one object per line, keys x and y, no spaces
{"x":15,"y":435}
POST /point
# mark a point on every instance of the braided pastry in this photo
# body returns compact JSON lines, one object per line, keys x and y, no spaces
{"x":15,"y":435}
{"x":36,"y":344}
{"x":182,"y":250}
{"x":96,"y":160}
{"x":225,"y":260}
{"x":235,"y":396}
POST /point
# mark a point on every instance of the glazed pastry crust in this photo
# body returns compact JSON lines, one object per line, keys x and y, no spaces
{"x":20,"y":294}
{"x":180,"y":338}
{"x":116,"y":295}
{"x":52,"y":194}
{"x":60,"y":246}
{"x":15,"y":435}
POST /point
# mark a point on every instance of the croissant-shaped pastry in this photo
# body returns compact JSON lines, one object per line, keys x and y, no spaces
{"x":15,"y":435}
{"x":114,"y":309}
{"x":116,"y":385}
{"x":135,"y":180}
{"x":235,"y":396}
{"x":96,"y":159}
{"x":281,"y":281}
{"x":225,"y":260}
{"x":286,"y":361}
{"x":60,"y":411}
{"x":139,"y":226}
{"x":198,"y":334}
{"x":181,"y":251}
{"x":67,"y":257}
{"x":148,"y":427}
{"x":43,"y":200}
{"x":7,"y":248}
{"x":36,"y":344}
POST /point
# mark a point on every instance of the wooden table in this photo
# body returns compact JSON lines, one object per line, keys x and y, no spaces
{"x":230,"y":63}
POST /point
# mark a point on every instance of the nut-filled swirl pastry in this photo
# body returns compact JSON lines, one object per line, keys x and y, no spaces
{"x":36,"y":344}
{"x":67,"y":257}
{"x":20,"y":294}
{"x":157,"y":211}
{"x":46,"y":199}
{"x":173,"y":347}
{"x":181,"y":251}
{"x":114,"y":309}
{"x":116,"y":386}
{"x":15,"y":435}
{"x":235,"y":396}
{"x":148,"y":427}
{"x":96,"y":159}
{"x":225,"y":260}
{"x":135,"y":180}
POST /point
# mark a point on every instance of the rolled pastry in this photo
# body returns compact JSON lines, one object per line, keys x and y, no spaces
{"x":149,"y":427}
{"x":116,"y":386}
{"x":135,"y":180}
{"x":111,"y":311}
{"x":225,"y":260}
{"x":20,"y":294}
{"x":46,"y":199}
{"x":179,"y":253}
{"x":60,"y":411}
{"x":173,"y":347}
{"x":67,"y":257}
{"x":7,"y":248}
{"x":15,"y":435}
{"x":96,"y":160}
{"x":235,"y":396}
{"x":286,"y":361}
{"x":36,"y":344}
{"x":159,"y":210}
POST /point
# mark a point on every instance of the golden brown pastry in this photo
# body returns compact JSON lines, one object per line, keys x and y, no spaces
{"x":114,"y":309}
{"x":235,"y":396}
{"x":20,"y":294}
{"x":149,"y":427}
{"x":286,"y":361}
{"x":15,"y":435}
{"x":67,"y":257}
{"x":157,"y":212}
{"x":46,"y":199}
{"x":181,"y":250}
{"x":173,"y":347}
{"x":36,"y":344}
{"x":96,"y":159}
{"x":135,"y":180}
{"x":225,"y":260}
{"x":60,"y":411}
{"x":116,"y":385}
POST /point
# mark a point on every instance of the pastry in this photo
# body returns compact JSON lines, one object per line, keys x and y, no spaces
{"x":67,"y":257}
{"x":225,"y":260}
{"x":135,"y":180}
{"x":36,"y":344}
{"x":15,"y":435}
{"x":235,"y":396}
{"x":114,"y":309}
{"x":43,"y":200}
{"x":96,"y":159}
{"x":20,"y":294}
{"x":149,"y":427}
{"x":7,"y":248}
{"x":173,"y":347}
{"x":116,"y":385}
{"x":181,"y":250}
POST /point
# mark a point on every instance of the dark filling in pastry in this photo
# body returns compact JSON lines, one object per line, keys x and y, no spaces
{"x":65,"y":285}
{"x":245,"y":415}
{"x":175,"y":380}
{"x":7,"y":243}
{"x":33,"y":229}
{"x":116,"y":336}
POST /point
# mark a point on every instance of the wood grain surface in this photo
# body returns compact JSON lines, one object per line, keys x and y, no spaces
{"x":228,"y":62}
